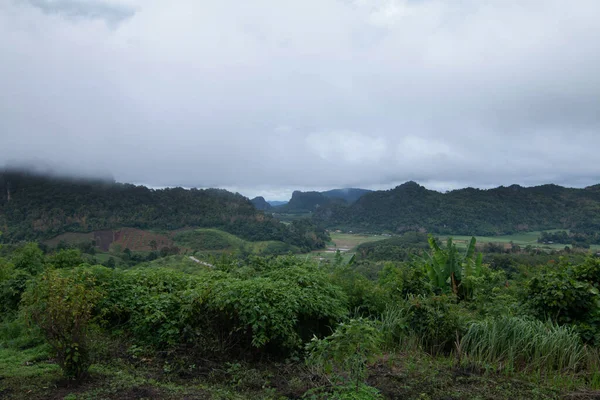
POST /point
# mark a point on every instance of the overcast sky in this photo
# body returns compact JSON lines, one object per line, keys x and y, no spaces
{"x":268,"y":96}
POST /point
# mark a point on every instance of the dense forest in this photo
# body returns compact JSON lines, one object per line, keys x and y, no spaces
{"x":503,"y":210}
{"x":39,"y":207}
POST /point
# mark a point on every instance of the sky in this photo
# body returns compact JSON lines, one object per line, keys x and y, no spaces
{"x":266,"y":97}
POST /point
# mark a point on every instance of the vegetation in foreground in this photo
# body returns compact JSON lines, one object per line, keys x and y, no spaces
{"x":443,"y":325}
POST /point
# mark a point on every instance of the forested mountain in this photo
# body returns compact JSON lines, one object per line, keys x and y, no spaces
{"x":37,"y":207}
{"x":304,"y":202}
{"x":469,"y":211}
{"x":260,"y":203}
{"x":349,"y":195}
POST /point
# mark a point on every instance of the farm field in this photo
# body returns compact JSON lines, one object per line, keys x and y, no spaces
{"x":522,"y":239}
{"x":70,"y":238}
{"x":345,"y":242}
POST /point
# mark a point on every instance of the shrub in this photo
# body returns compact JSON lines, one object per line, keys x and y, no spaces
{"x":347,"y":351}
{"x":569,"y":295}
{"x":365,"y":297}
{"x":66,"y":259}
{"x":435,"y":320}
{"x":272,"y":305}
{"x":11,"y":290}
{"x":29,"y":258}
{"x":61,"y":306}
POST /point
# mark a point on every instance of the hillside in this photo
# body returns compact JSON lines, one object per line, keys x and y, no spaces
{"x":502,"y":210}
{"x":41,"y":207}
{"x":307,"y":202}
{"x":349,"y":195}
{"x":213,"y":240}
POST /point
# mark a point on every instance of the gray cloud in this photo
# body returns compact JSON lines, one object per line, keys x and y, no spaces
{"x":266,"y":97}
{"x":113,"y":14}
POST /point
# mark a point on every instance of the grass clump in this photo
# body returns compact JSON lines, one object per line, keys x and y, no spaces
{"x":518,"y":343}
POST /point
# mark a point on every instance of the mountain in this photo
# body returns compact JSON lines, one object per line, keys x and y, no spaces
{"x":34,"y":207}
{"x":305,"y":202}
{"x":276,"y":203}
{"x":260,"y":203}
{"x":349,"y":195}
{"x":502,"y":210}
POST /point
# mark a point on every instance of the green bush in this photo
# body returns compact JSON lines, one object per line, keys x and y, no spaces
{"x":435,"y":320}
{"x":404,"y":279}
{"x":29,"y":258}
{"x":275,"y":304}
{"x":346,"y":353}
{"x":11,"y":290}
{"x":365,"y":297}
{"x":569,"y":295}
{"x":68,"y":258}
{"x":61,"y":305}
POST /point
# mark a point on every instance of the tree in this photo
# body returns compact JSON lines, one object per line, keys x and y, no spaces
{"x":29,"y":258}
{"x":153,"y":245}
{"x":66,"y":259}
{"x":60,"y":303}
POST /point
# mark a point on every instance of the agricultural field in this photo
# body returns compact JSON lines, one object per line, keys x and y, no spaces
{"x":70,"y":238}
{"x":522,"y":239}
{"x":140,"y":240}
{"x":346,"y":243}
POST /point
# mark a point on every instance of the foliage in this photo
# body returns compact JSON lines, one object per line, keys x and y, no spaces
{"x":569,"y":295}
{"x":435,"y":321}
{"x":29,"y":258}
{"x":347,"y":351}
{"x":66,"y":259}
{"x":516,"y":342}
{"x":277,"y":303}
{"x":61,"y":305}
{"x":364,"y":296}
{"x":404,"y":280}
{"x":346,"y":392}
{"x":447,"y":269}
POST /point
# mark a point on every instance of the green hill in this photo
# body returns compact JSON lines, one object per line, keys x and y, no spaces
{"x":503,"y":210}
{"x":214,"y":240}
{"x":307,"y":202}
{"x":36,"y":207}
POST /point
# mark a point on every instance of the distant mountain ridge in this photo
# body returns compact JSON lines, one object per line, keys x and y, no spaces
{"x":502,"y":210}
{"x":35,"y":207}
{"x":307,"y":202}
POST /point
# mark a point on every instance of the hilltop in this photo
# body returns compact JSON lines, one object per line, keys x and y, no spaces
{"x":502,"y":210}
{"x":307,"y":202}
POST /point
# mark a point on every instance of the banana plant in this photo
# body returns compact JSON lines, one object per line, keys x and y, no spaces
{"x":446,"y":268}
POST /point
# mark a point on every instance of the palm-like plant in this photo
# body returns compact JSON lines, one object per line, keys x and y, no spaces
{"x":447,"y":268}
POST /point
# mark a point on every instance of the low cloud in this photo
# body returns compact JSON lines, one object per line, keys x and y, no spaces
{"x":267,"y":97}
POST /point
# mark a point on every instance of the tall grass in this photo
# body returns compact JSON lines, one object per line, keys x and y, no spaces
{"x":516,"y":343}
{"x":393,"y":326}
